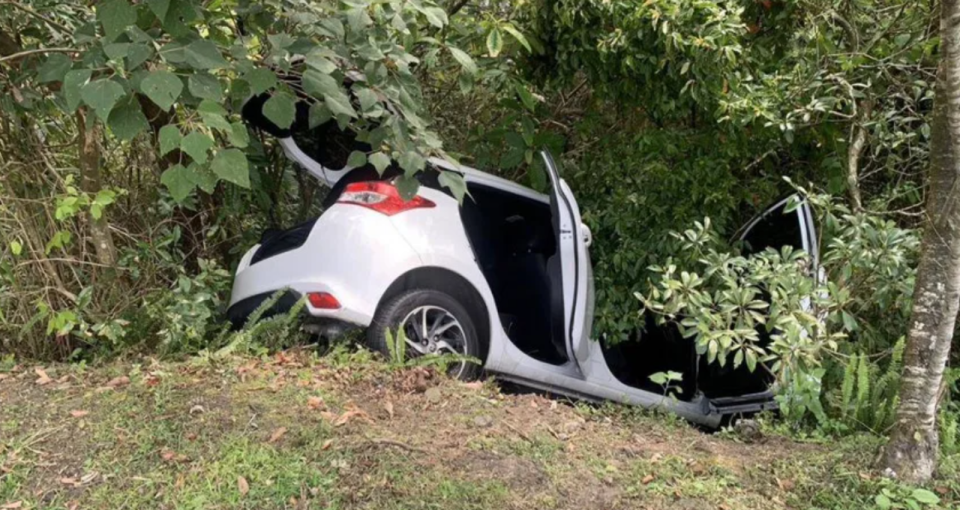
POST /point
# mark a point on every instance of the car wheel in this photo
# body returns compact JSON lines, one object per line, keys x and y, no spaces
{"x":434,"y":323}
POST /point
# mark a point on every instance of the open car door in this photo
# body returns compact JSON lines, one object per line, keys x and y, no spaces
{"x":568,"y":270}
{"x":788,"y":222}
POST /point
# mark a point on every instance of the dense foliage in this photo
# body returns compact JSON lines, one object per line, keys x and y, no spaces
{"x":129,"y":182}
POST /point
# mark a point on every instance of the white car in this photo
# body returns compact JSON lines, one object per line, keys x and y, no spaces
{"x":505,"y":277}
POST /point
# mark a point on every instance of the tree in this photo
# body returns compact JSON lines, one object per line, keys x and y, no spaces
{"x":912,"y":452}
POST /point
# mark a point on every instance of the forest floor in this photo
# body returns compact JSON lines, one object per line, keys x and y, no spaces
{"x":295,"y":430}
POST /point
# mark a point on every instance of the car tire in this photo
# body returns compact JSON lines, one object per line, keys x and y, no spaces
{"x":437,"y":306}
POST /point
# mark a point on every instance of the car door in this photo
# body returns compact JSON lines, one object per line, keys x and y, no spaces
{"x":569,"y":270}
{"x":788,"y":222}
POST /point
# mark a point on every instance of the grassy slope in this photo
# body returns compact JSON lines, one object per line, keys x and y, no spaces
{"x":344,"y":432}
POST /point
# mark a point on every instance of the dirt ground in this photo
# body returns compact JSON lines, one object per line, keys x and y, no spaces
{"x":295,"y":430}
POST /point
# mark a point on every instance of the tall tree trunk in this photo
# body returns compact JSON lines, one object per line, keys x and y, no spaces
{"x":912,"y":452}
{"x":90,"y":182}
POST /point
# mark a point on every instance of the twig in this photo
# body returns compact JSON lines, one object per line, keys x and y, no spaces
{"x":398,"y":444}
{"x":37,"y":15}
{"x":518,"y":431}
{"x":26,"y":53}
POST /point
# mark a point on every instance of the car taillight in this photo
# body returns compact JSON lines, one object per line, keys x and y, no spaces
{"x":323,"y":300}
{"x":382,"y":197}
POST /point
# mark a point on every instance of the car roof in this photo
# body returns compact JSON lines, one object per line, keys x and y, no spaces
{"x":483,"y":178}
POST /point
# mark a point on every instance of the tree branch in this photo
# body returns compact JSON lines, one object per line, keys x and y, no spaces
{"x":63,"y":28}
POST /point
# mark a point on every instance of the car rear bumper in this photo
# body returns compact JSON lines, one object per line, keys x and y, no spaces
{"x":351,"y":252}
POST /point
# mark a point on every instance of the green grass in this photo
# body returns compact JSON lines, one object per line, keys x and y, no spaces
{"x":344,"y":431}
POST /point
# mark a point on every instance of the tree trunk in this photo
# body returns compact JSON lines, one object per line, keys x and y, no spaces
{"x":858,"y":139}
{"x":912,"y":452}
{"x":90,"y":183}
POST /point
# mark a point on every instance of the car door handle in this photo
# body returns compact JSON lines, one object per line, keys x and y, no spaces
{"x":587,"y":235}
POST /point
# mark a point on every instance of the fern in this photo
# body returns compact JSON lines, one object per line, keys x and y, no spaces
{"x":274,"y":329}
{"x":849,"y":380}
{"x":948,"y":433}
{"x":863,"y":388}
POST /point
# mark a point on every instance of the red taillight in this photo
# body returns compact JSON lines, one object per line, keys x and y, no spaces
{"x":323,"y":300}
{"x":382,"y":197}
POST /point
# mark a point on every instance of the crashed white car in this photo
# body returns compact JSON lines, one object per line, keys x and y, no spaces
{"x":505,"y":277}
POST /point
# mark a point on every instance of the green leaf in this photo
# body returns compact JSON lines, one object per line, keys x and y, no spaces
{"x":231,"y":166}
{"x":339,"y":104}
{"x":319,"y":84}
{"x":203,"y":177}
{"x":412,"y":162}
{"x":356,"y":159}
{"x":435,"y":16}
{"x":280,"y":109}
{"x":526,"y":97}
{"x":54,"y":68}
{"x":102,"y":95}
{"x":196,"y":145}
{"x":16,"y":248}
{"x":162,"y":87}
{"x":179,"y":181}
{"x":465,"y":61}
{"x":73,"y":82}
{"x":117,"y":51}
{"x":494,"y":43}
{"x":319,"y":114}
{"x":455,"y":183}
{"x":159,"y":8}
{"x":512,"y":30}
{"x":926,"y":497}
{"x":203,"y":54}
{"x":205,"y":86}
{"x":380,"y":161}
{"x":238,"y":135}
{"x":260,"y":80}
{"x":116,"y":16}
{"x":883,"y":502}
{"x":320,"y":63}
{"x":127,"y":120}
{"x":138,"y":54}
{"x":170,"y":138}
{"x":407,"y":185}
{"x":368,"y":98}
{"x":213,"y":115}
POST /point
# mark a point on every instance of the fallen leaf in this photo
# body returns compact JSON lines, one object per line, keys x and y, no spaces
{"x":243,"y":486}
{"x":43,"y":378}
{"x":942,"y":490}
{"x":389,"y":408}
{"x":326,"y":444}
{"x":10,"y":506}
{"x":73,"y":505}
{"x":786,"y":484}
{"x":197,"y":409}
{"x":327,"y":415}
{"x":349,"y":415}
{"x":79,"y":413}
{"x":192,"y":436}
{"x":167,"y":455}
{"x":315,"y":402}
{"x":68,"y":481}
{"x":475,"y":385}
{"x":277,"y":434}
{"x":647,"y":479}
{"x":4,"y":376}
{"x":116,"y":382}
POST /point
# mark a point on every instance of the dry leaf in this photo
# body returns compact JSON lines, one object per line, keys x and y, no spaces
{"x":277,"y":434}
{"x":116,"y":382}
{"x":243,"y":486}
{"x":73,"y":505}
{"x":68,"y":481}
{"x":347,"y":416}
{"x":647,"y":479}
{"x":43,"y":377}
{"x":167,"y":455}
{"x":389,"y":407}
{"x":4,"y":376}
{"x":79,"y":413}
{"x":326,"y":444}
{"x":315,"y":402}
{"x":10,"y":506}
{"x":192,"y":436}
{"x":475,"y":385}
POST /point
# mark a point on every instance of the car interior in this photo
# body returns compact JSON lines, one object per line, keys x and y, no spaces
{"x":513,"y":240}
{"x":661,"y":348}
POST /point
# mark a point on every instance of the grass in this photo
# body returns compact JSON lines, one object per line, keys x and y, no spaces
{"x":345,"y":431}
